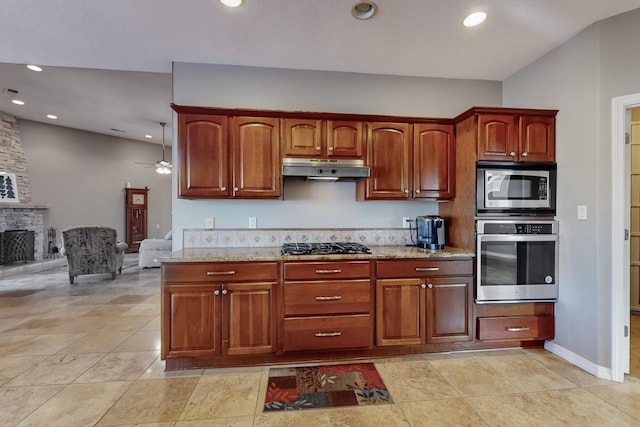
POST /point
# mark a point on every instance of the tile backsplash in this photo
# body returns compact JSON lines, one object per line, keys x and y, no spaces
{"x":275,"y":237}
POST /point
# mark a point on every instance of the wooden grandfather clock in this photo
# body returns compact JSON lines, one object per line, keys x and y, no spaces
{"x":136,"y":217}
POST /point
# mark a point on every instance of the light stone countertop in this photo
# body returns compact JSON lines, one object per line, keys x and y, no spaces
{"x":273,"y":254}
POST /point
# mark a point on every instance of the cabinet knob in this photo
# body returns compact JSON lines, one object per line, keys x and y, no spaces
{"x":318,"y":148}
{"x":512,"y":154}
{"x":330,"y":148}
{"x":216,"y":292}
{"x":406,"y":191}
{"x":423,"y":286}
{"x":430,"y":285}
{"x":224,"y":292}
{"x":235,"y":188}
{"x":417,"y":191}
{"x":525,"y":154}
{"x":223,"y":188}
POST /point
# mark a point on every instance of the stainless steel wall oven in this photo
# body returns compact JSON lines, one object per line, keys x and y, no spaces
{"x":517,"y":260}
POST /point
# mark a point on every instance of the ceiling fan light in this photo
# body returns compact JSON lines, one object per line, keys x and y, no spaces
{"x":163,"y":170}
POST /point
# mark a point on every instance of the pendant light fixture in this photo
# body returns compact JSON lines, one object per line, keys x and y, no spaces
{"x":162,"y":166}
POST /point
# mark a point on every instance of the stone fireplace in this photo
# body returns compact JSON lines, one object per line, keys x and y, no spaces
{"x":20,"y":214}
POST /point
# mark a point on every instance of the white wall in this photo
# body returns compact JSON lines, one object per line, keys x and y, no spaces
{"x":82,"y":176}
{"x":316,"y":205}
{"x":580,"y":78}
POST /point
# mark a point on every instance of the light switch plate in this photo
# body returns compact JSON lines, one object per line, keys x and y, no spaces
{"x":253,"y":222}
{"x":210,"y":222}
{"x":582,"y":212}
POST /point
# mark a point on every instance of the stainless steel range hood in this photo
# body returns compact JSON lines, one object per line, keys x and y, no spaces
{"x":325,"y":169}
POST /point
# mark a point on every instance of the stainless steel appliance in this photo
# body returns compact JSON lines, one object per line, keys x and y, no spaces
{"x":324,"y":248}
{"x":517,"y":260}
{"x":430,"y":232}
{"x":325,"y":169}
{"x":521,"y":189}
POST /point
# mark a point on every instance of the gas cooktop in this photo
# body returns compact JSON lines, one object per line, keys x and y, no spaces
{"x":324,"y":248}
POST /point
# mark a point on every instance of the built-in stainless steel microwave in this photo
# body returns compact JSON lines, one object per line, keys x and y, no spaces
{"x":509,"y":188}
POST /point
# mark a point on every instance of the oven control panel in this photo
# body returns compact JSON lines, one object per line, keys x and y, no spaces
{"x":517,"y":227}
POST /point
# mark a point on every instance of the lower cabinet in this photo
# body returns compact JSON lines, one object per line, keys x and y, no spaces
{"x":426,"y":308}
{"x":522,"y":322}
{"x":218,"y":309}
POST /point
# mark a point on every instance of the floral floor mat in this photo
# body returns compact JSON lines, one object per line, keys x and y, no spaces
{"x":325,"y":387}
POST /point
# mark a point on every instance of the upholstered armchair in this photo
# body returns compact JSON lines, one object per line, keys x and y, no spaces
{"x":92,"y":250}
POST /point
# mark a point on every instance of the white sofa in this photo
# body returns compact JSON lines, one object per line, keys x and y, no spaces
{"x":152,"y":249}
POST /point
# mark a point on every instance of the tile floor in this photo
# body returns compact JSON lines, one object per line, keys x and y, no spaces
{"x":88,"y":355}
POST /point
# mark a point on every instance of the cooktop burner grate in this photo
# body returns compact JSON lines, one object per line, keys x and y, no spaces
{"x":324,"y":248}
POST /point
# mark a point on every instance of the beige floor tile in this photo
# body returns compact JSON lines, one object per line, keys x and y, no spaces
{"x":382,"y":415}
{"x":151,"y":401}
{"x":141,"y":341}
{"x":625,"y":397}
{"x":218,"y":422}
{"x":119,"y":366}
{"x":153,"y":325}
{"x":126,"y":323}
{"x":23,"y":345}
{"x":509,"y":410}
{"x":415,"y":381}
{"x":102,"y":342}
{"x":18,"y":402}
{"x":527,"y":373}
{"x":436,"y":413}
{"x":156,"y":371}
{"x":579,"y":408}
{"x":77,"y":405}
{"x":473,"y":377}
{"x":571,"y":372}
{"x":57,"y":369}
{"x":11,"y":367}
{"x":129,"y":299}
{"x":230,"y":395}
{"x":143,"y":310}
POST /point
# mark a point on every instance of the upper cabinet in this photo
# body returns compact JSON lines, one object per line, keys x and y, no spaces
{"x":409,"y":161}
{"x":516,"y":137}
{"x":322,"y":138}
{"x":225,"y":157}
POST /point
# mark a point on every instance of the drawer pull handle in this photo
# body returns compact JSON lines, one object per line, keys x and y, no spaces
{"x":220,"y":273}
{"x":328,"y":334}
{"x":328,"y":271}
{"x":518,"y":329}
{"x":331,"y":298}
{"x":427,"y":268}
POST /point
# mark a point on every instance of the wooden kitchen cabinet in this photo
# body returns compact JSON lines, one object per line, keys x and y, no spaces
{"x":518,"y":321}
{"x":228,"y":157}
{"x":420,"y":302}
{"x":327,"y":305}
{"x":342,"y":139}
{"x":516,"y":137}
{"x":409,"y":161}
{"x":213,"y":309}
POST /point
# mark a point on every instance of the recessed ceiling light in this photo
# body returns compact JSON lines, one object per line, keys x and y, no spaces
{"x":34,"y":67}
{"x":476,"y":18}
{"x":148,"y":136}
{"x":364,"y":10}
{"x":17,"y":102}
{"x":231,"y":3}
{"x":52,"y":116}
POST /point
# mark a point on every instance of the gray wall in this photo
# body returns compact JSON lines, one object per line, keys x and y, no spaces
{"x":82,"y":176}
{"x":316,"y":205}
{"x":580,"y":78}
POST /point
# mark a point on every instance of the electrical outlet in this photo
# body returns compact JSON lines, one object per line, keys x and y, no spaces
{"x":406,"y":222}
{"x":582,"y":212}
{"x":210,"y":222}
{"x":253,"y":222}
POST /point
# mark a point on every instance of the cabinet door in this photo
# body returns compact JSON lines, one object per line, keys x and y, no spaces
{"x":249,"y":318}
{"x":497,"y":137}
{"x":537,"y":139}
{"x":302,"y":138}
{"x":433,"y":161}
{"x":345,"y":139}
{"x":388,"y":156}
{"x":257,"y":171}
{"x":449,"y":309}
{"x":191,"y":321}
{"x":203,"y":156}
{"x":399,"y":312}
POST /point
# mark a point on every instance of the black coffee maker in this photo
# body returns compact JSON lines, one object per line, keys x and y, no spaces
{"x":430,"y":232}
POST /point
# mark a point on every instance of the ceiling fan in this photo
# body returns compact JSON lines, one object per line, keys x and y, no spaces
{"x":162,"y":166}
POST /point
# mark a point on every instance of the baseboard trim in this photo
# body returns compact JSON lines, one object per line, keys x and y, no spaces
{"x":579,"y":361}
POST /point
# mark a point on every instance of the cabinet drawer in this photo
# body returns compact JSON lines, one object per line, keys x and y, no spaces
{"x":327,"y":270}
{"x":220,"y":272}
{"x":515,"y":327}
{"x":335,"y":297}
{"x":422,"y":268}
{"x":327,"y":332}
